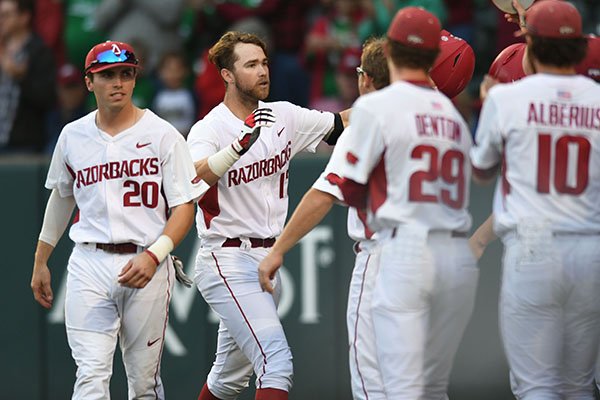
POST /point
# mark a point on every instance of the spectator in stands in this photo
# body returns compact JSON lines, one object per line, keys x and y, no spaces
{"x":153,"y":23}
{"x":80,"y":32}
{"x":71,"y":105}
{"x":48,"y":23}
{"x":332,"y":34}
{"x":174,"y":101}
{"x":27,"y":73}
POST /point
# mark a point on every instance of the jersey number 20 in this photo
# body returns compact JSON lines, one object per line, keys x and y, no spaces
{"x":145,"y":193}
{"x":449,"y":167}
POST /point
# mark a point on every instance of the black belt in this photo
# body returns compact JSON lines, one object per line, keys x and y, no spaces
{"x":254,"y":242}
{"x":454,"y":234}
{"x":117,"y":248}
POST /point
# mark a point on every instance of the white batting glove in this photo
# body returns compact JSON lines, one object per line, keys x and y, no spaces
{"x":179,"y":274}
{"x":261,"y":117}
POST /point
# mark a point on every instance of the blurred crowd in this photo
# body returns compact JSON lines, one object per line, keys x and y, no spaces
{"x":314,"y":49}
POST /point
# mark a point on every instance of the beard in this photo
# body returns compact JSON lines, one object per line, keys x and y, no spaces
{"x":254,"y":93}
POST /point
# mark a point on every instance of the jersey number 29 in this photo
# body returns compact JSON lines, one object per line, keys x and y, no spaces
{"x":449,"y":167}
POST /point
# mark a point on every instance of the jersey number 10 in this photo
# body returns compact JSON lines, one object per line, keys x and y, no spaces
{"x":561,"y":164}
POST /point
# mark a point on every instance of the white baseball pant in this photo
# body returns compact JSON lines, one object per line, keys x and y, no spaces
{"x":98,"y":310}
{"x":250,"y":336}
{"x":550,"y":313}
{"x":422,"y":301}
{"x":365,"y":377}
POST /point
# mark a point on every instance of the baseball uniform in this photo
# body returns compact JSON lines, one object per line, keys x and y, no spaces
{"x":123,"y":186}
{"x":545,"y":129}
{"x":238,"y":220}
{"x":364,"y":371}
{"x":414,"y":167}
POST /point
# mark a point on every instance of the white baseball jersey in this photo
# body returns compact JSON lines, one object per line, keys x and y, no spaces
{"x":547,"y":127}
{"x":251,"y":198}
{"x":136,"y":175}
{"x":410,"y":144}
{"x":357,"y":228}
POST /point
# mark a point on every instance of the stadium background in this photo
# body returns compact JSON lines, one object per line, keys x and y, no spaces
{"x":36,"y":362}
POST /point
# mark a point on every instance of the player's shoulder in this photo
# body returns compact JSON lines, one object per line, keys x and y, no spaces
{"x":206,"y":125}
{"x":151,"y":121}
{"x":80,"y":127}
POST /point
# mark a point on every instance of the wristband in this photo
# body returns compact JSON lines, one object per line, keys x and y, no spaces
{"x":222,"y":160}
{"x":160,"y":249}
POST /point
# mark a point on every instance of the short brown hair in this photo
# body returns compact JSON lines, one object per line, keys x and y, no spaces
{"x":558,"y":52}
{"x":373,"y":62}
{"x":411,"y":57}
{"x":222,"y":53}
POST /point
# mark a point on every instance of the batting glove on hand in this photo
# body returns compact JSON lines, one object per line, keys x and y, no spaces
{"x":179,"y":274}
{"x":261,"y":117}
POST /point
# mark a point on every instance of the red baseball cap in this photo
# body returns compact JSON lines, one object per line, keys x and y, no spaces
{"x":109,"y":55}
{"x":554,"y":19}
{"x":415,"y":27}
{"x":508,"y":65}
{"x":590,"y":66}
{"x":453,"y":68}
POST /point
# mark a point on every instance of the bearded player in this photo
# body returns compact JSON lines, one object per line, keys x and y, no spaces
{"x":244,"y":211}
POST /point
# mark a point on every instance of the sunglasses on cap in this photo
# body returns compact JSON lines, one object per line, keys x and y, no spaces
{"x":110,"y":57}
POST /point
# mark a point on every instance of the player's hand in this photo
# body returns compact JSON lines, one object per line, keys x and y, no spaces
{"x":486,"y":85}
{"x":267,"y":269}
{"x":259,"y":118}
{"x":40,"y":285}
{"x":138,"y":271}
{"x":518,"y":18}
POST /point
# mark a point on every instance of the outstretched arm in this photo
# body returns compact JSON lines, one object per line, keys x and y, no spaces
{"x":312,"y":209}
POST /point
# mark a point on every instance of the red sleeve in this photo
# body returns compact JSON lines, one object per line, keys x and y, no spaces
{"x":355,"y":194}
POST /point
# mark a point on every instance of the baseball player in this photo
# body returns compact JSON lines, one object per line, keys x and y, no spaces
{"x":373,"y":75}
{"x":243,"y":212}
{"x":406,"y":162}
{"x":124,"y":169}
{"x":509,"y":66}
{"x":545,"y":131}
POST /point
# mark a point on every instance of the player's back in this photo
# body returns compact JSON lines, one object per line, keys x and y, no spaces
{"x":423,"y":177}
{"x":551,"y":128}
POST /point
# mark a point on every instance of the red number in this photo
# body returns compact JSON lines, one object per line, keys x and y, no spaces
{"x":146,"y":194}
{"x":451,"y":172}
{"x":561,"y":164}
{"x":282,"y":178}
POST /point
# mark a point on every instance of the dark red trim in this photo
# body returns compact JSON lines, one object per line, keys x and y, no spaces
{"x":362,"y":286}
{"x":153,"y":256}
{"x":264,"y":356}
{"x":485,"y":174}
{"x":71,"y":171}
{"x":355,"y":194}
{"x":209,"y":204}
{"x":362,"y":216}
{"x":164,"y":332}
{"x":378,"y":185}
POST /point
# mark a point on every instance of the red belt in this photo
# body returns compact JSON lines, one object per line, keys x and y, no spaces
{"x":118,"y":248}
{"x":254,"y":242}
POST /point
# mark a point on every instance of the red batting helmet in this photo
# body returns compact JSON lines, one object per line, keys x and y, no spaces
{"x":590,"y":66}
{"x":109,"y":55}
{"x":454,"y":66}
{"x":508,"y":65}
